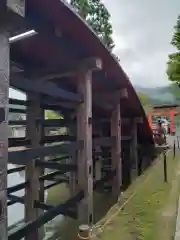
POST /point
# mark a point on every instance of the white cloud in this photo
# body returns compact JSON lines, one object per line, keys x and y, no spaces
{"x":142,"y":34}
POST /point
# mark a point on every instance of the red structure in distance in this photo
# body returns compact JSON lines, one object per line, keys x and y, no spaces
{"x":169,"y":111}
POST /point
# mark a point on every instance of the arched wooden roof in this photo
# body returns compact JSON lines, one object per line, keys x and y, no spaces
{"x":64,"y":39}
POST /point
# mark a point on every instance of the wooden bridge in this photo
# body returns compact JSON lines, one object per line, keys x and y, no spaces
{"x":62,"y":65}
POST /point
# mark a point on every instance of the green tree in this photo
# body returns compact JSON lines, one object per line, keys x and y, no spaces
{"x":97,"y":16}
{"x":173,"y":70}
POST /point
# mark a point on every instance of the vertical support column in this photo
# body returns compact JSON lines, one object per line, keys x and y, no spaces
{"x":33,"y":173}
{"x":84,"y":133}
{"x":72,"y":160}
{"x":116,"y":150}
{"x":134,"y":151}
{"x":4,"y":99}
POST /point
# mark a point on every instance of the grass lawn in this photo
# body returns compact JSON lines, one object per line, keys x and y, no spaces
{"x":147,"y":210}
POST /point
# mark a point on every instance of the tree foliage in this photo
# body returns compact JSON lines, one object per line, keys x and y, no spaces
{"x":173,"y":70}
{"x":98,"y":17}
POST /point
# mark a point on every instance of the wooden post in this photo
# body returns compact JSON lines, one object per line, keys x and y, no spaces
{"x":4,"y":92}
{"x":33,"y":191}
{"x":84,"y":232}
{"x":116,"y":150}
{"x":174,"y":149}
{"x":178,"y":142}
{"x":72,"y":175}
{"x":165,"y":166}
{"x":134,"y":151}
{"x":84,"y":133}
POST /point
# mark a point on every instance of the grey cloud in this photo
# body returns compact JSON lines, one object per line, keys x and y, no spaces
{"x":145,"y":27}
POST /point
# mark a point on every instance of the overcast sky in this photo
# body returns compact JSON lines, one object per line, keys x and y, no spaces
{"x":142,"y":34}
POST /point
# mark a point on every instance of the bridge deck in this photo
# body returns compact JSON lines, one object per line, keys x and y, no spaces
{"x":63,"y":66}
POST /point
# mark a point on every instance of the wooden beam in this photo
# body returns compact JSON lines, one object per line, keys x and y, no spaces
{"x":116,"y":150}
{"x":32,"y":173}
{"x":104,"y":141}
{"x":134,"y":151}
{"x":84,"y":133}
{"x":93,"y":63}
{"x":47,"y":77}
{"x":123,"y":93}
{"x":44,"y":218}
{"x":49,"y":89}
{"x":139,"y":120}
{"x":54,"y":165}
{"x":105,"y":97}
{"x":18,"y":157}
{"x":90,"y":64}
{"x":123,"y":120}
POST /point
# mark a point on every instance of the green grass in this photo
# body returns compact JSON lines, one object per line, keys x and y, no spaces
{"x":150,"y":214}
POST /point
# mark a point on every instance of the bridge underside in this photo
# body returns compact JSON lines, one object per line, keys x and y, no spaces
{"x":98,"y":127}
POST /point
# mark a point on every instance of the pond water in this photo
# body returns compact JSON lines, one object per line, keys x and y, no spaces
{"x":16,"y":211}
{"x":58,"y":228}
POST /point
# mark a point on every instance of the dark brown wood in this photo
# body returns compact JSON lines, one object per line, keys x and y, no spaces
{"x":84,"y":133}
{"x":174,"y":149}
{"x":22,"y":157}
{"x":32,"y":173}
{"x":104,"y":141}
{"x":116,"y":150}
{"x":49,"y":89}
{"x":54,"y":165}
{"x":134,"y":151}
{"x":165,"y":166}
{"x":46,"y":217}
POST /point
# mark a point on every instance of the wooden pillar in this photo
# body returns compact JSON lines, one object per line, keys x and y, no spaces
{"x":116,"y":150}
{"x":33,"y":191}
{"x":4,"y":92}
{"x":72,"y":160}
{"x":134,"y":151}
{"x":84,"y":134}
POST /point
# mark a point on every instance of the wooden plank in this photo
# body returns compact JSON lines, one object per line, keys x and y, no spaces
{"x":16,"y":110}
{"x":49,"y":89}
{"x":134,"y":151}
{"x":17,"y":122}
{"x":51,"y":176}
{"x":104,"y":141}
{"x":58,"y":138}
{"x":16,"y":187}
{"x":17,"y":169}
{"x":84,"y":133}
{"x":44,"y":218}
{"x":54,"y":165}
{"x":57,"y":123}
{"x":18,"y":102}
{"x":22,"y":157}
{"x":16,"y":142}
{"x":116,"y":150}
